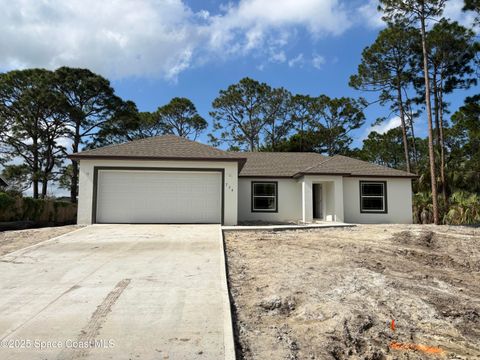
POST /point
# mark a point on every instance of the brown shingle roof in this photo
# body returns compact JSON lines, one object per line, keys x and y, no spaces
{"x":284,"y":164}
{"x":159,"y":147}
{"x":255,"y":164}
{"x":281,"y":164}
{"x":344,"y":165}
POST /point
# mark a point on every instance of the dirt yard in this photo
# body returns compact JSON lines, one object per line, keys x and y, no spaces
{"x":369,"y":292}
{"x":15,"y":240}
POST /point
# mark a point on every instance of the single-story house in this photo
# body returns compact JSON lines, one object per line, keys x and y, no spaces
{"x":169,"y":179}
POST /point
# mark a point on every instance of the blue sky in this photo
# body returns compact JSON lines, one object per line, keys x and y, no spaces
{"x":153,"y":50}
{"x":341,"y":55}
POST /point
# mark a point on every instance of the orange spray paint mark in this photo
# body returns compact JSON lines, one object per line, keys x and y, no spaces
{"x":392,"y":325}
{"x":416,"y":347}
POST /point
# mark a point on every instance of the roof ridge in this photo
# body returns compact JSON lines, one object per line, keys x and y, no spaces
{"x":195,"y":142}
{"x":314,"y":166}
{"x":150,"y":138}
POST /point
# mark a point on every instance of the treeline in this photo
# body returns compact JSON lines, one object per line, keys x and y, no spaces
{"x":46,"y":115}
{"x":413,"y":68}
{"x":410,"y":70}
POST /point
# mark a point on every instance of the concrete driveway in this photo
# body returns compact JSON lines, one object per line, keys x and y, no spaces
{"x":117,"y":292}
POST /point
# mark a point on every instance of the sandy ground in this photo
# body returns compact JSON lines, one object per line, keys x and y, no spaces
{"x":333,"y":293}
{"x":15,"y":240}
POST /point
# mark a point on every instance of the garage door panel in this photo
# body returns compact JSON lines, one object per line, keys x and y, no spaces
{"x":158,"y":197}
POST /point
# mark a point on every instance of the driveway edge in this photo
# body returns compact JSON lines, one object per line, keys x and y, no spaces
{"x":228,"y":339}
{"x":42,"y":242}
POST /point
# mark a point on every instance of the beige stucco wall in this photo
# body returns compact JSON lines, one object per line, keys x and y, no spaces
{"x":289,"y":201}
{"x":399,"y":202}
{"x":85,"y":196}
{"x":294,"y":199}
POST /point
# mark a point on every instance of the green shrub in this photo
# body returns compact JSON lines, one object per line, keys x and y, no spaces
{"x":6,"y":201}
{"x":32,"y":208}
{"x":464,"y":209}
{"x":422,"y":208}
{"x":40,"y":211}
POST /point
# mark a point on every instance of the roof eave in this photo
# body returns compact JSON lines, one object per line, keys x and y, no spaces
{"x":115,"y":157}
{"x":240,"y":161}
{"x":406,"y":176}
{"x":270,"y":176}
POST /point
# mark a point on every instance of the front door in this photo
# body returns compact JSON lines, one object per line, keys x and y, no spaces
{"x":317,"y":201}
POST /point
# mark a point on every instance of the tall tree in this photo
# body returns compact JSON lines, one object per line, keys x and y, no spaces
{"x":18,"y":177}
{"x":300,"y":113}
{"x":385,"y":69}
{"x":126,"y":124}
{"x":180,"y":117}
{"x":31,"y":123}
{"x":240,"y":113}
{"x":53,"y":132}
{"x":333,"y":120}
{"x":384,"y":149}
{"x":465,"y":132}
{"x":451,"y":50}
{"x":306,"y":141}
{"x":278,"y":122}
{"x":90,"y":104}
{"x":418,"y":12}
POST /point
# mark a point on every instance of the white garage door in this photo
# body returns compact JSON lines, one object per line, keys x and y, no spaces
{"x":146,"y":196}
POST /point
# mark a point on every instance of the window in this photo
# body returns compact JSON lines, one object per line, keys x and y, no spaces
{"x":373,"y":197}
{"x":264,"y":196}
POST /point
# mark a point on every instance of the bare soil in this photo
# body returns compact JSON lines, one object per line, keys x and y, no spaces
{"x":333,"y":293}
{"x":14,"y":240}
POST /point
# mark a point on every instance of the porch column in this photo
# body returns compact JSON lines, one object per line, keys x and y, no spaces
{"x":338,"y":191}
{"x":307,"y":206}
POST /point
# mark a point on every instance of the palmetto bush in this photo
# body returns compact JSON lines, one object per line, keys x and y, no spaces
{"x":464,"y":209}
{"x":422,"y":208}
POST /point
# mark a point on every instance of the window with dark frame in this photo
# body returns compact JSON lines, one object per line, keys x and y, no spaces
{"x":264,"y":196}
{"x":373,"y":196}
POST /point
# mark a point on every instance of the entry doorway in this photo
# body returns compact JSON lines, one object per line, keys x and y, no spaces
{"x":317,"y":201}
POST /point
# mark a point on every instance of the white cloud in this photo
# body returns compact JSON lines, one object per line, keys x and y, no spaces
{"x":155,"y":37}
{"x":66,"y":142}
{"x":370,"y":14}
{"x":124,"y":38}
{"x":453,"y":11}
{"x":296,"y":61}
{"x":278,"y":57}
{"x":163,"y":38}
{"x":319,"y":16}
{"x":265,"y":27}
{"x":318,"y":61}
{"x":385,"y":126}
